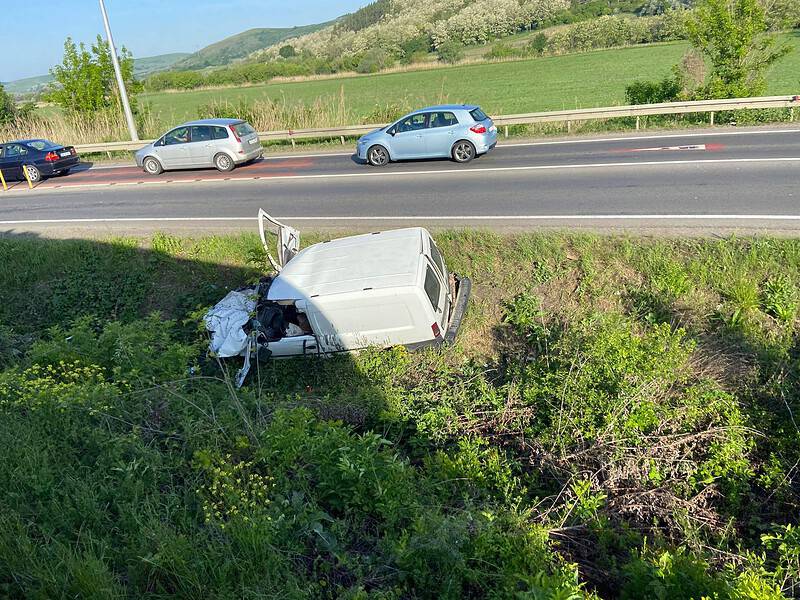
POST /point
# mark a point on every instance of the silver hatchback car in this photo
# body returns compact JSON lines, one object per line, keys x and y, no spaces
{"x":219,"y":143}
{"x":458,"y":131}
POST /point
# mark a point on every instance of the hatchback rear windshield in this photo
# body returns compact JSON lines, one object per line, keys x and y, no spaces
{"x":478,"y":114}
{"x":243,"y":129}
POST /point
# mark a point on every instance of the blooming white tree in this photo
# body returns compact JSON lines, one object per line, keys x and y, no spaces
{"x":464,"y":21}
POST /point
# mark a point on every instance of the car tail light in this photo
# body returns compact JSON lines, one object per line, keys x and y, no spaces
{"x":51,"y":157}
{"x":479,"y":128}
{"x":236,"y":135}
{"x":437,"y":333}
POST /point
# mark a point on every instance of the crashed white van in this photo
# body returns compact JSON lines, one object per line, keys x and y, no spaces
{"x":380,"y":289}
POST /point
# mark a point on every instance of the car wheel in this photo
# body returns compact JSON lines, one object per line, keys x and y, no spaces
{"x":378,"y":156}
{"x":34,"y":174}
{"x":223,"y":162}
{"x":463,"y":151}
{"x":152,"y":166}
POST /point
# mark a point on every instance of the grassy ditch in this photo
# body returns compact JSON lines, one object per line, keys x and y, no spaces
{"x":618,"y":419}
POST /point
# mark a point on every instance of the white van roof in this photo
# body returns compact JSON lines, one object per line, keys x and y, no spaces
{"x":376,"y":260}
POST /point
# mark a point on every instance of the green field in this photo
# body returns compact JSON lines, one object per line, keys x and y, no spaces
{"x":617,"y":420}
{"x":551,"y":83}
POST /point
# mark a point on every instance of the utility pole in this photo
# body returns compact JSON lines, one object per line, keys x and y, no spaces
{"x":123,"y":93}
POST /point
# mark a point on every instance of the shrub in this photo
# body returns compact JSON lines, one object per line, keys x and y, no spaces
{"x":374,"y":60}
{"x":287,"y":51}
{"x":501,"y":50}
{"x":538,"y":44}
{"x":652,"y":92}
{"x":450,"y":52}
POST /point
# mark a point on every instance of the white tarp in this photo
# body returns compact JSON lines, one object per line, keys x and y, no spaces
{"x":225,"y":322}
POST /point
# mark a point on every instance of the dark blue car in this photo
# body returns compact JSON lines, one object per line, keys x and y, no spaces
{"x":40,"y":158}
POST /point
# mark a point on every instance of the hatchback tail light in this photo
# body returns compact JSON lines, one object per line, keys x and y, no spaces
{"x":437,"y":333}
{"x":236,"y":135}
{"x":479,"y":128}
{"x":51,"y":157}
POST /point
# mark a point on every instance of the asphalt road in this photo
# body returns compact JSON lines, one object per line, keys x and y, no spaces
{"x":717,"y":180}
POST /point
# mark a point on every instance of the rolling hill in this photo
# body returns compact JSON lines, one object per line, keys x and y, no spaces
{"x":142,"y":67}
{"x":242,"y":45}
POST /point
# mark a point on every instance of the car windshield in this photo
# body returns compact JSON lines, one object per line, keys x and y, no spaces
{"x":41,"y":144}
{"x":243,"y":129}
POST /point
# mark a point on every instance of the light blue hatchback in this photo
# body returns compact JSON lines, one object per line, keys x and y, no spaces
{"x":460,"y":132}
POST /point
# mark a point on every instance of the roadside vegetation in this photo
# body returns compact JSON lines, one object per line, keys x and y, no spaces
{"x":618,"y":419}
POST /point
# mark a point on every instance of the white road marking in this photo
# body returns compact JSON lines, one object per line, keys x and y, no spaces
{"x":669,"y":148}
{"x":603,"y":217}
{"x":650,"y":137}
{"x":462,"y":171}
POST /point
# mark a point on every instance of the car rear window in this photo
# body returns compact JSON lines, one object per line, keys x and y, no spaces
{"x":243,"y":129}
{"x":432,"y":288}
{"x":42,"y":144}
{"x":478,"y":114}
{"x":220,"y":133}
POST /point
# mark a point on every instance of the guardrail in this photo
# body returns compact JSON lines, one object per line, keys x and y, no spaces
{"x":560,"y":116}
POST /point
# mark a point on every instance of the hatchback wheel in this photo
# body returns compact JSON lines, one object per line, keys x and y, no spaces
{"x":463,"y":151}
{"x":223,"y":162}
{"x":152,"y":166}
{"x":34,"y":174}
{"x":378,"y":156}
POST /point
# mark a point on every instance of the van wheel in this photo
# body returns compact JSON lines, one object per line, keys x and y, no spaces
{"x":223,"y":163}
{"x":152,"y":166}
{"x":378,"y":156}
{"x":463,"y":151}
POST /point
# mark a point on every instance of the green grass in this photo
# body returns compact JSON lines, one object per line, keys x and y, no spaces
{"x":603,"y":427}
{"x":550,"y":83}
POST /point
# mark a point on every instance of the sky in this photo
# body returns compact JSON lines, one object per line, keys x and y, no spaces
{"x":145,"y":27}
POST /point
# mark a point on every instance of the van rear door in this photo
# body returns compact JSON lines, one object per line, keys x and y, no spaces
{"x":288,"y":239}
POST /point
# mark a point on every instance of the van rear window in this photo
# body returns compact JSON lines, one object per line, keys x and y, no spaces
{"x":433,"y":288}
{"x":478,"y":114}
{"x":437,"y":258}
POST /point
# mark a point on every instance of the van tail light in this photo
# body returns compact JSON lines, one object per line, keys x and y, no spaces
{"x":479,"y":128}
{"x":437,"y":333}
{"x":51,"y":157}
{"x":236,"y":135}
